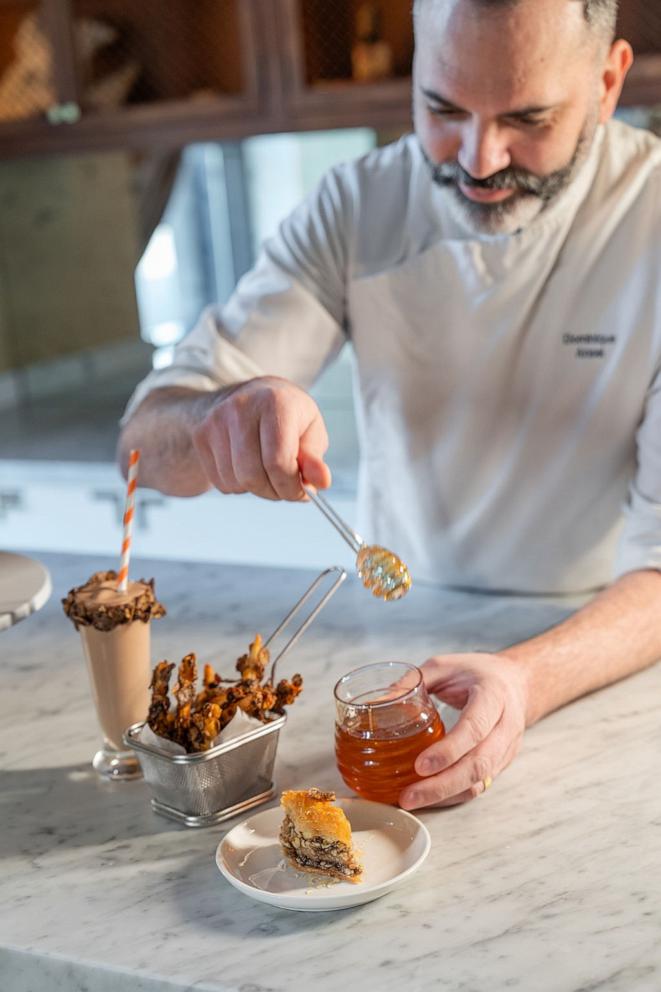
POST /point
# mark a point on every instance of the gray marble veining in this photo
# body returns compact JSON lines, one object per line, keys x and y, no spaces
{"x":549,"y":883}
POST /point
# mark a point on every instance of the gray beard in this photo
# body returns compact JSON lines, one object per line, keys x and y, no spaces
{"x":533,"y":194}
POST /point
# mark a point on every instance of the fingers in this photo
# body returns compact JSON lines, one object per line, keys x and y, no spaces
{"x":463,"y":797}
{"x":478,"y":718}
{"x":279,"y":445}
{"x":478,"y":788}
{"x":247,"y":460}
{"x":488,"y":734}
{"x":229,"y":461}
{"x":467,"y":776}
{"x":254,"y":439}
{"x":216,"y":459}
{"x":466,"y":780}
{"x":312,"y":448}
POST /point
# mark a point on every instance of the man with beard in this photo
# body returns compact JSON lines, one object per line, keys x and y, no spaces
{"x":498,"y":276}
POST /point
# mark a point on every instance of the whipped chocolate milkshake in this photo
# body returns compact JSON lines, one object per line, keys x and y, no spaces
{"x":114,"y":628}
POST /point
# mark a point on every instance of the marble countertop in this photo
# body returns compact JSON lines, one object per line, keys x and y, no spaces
{"x":551,"y":881}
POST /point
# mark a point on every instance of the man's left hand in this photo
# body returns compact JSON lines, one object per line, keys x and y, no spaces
{"x":491,"y":692}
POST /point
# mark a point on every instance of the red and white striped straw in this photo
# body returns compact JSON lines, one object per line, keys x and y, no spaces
{"x":129,"y":512}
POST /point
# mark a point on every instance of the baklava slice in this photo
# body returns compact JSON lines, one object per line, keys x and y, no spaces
{"x":316,"y":835}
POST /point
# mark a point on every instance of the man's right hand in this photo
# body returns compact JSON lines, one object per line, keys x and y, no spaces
{"x":261,"y":437}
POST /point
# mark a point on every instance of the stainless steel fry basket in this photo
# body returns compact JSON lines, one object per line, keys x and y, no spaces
{"x":208,"y":787}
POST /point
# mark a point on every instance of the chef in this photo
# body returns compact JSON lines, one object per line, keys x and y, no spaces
{"x":498,"y":275}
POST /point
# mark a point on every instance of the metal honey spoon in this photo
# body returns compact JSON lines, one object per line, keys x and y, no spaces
{"x":382,"y":572}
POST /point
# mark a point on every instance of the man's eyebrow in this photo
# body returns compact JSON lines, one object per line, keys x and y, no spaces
{"x":530,"y":111}
{"x":437,"y":98}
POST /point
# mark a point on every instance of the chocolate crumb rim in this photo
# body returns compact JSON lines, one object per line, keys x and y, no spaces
{"x":143,"y":607}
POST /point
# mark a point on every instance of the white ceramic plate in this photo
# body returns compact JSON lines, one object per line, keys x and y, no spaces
{"x":391,"y":842}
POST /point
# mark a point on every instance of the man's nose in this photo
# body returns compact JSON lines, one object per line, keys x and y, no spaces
{"x":483,"y":150}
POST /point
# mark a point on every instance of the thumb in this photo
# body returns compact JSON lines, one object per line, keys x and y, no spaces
{"x":311,"y":450}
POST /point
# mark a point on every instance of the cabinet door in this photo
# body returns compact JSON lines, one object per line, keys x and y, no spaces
{"x":348,"y":61}
{"x":146,"y":73}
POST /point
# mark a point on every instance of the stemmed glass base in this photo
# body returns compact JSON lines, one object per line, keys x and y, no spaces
{"x":117,"y":766}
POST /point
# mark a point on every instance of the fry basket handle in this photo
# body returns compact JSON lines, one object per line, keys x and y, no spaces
{"x":341,"y":575}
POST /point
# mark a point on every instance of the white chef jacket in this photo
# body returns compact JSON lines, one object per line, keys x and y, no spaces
{"x":508,"y":389}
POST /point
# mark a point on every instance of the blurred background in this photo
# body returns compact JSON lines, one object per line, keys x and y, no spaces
{"x":146,"y":149}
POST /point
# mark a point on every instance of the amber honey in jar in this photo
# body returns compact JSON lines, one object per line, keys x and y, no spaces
{"x":385,"y":718}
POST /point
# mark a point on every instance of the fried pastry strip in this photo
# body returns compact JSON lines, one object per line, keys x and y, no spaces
{"x":286,"y":692}
{"x":252,"y":665}
{"x":184,"y":690}
{"x":158,"y":716}
{"x":212,"y":691}
{"x":200,"y":716}
{"x":254,"y":699}
{"x":204,"y":727}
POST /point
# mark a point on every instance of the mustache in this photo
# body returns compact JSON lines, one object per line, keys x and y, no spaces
{"x":545,"y":187}
{"x":520,"y":180}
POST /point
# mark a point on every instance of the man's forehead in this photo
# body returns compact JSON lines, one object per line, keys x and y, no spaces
{"x":518,"y":52}
{"x":562,"y":8}
{"x":524,"y":23}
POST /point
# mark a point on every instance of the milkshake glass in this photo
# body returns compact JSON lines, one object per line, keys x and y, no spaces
{"x":115,"y":631}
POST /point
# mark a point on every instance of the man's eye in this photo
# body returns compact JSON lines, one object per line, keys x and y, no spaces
{"x":532,"y":121}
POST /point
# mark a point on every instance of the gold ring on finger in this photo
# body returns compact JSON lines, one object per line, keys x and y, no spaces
{"x":486,"y":782}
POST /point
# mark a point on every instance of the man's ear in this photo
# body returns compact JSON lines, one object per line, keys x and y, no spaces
{"x":618,"y":63}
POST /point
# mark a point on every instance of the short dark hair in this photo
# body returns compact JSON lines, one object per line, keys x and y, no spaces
{"x":600,"y":14}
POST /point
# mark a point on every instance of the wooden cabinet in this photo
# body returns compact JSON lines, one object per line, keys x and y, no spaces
{"x":130,"y":73}
{"x":161,"y":73}
{"x":318,"y":39}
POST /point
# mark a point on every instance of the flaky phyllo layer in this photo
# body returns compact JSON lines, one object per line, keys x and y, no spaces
{"x":318,"y":854}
